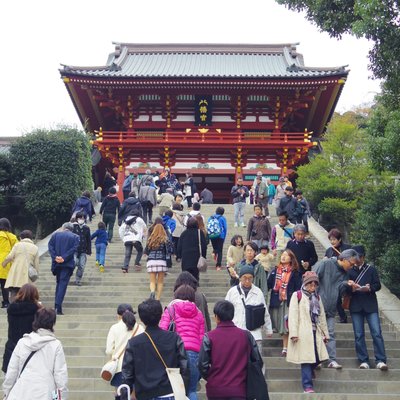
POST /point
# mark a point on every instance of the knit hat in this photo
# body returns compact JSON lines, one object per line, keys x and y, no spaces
{"x":246,"y":269}
{"x":310,"y":276}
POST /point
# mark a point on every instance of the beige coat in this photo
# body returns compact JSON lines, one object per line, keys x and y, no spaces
{"x":302,"y":352}
{"x":21,"y":255}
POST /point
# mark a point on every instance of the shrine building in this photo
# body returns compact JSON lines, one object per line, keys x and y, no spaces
{"x":205,"y":103}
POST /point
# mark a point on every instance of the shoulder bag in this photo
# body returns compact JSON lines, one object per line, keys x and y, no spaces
{"x":33,"y":274}
{"x":172,"y":323}
{"x":174,"y":376}
{"x":255,"y":315}
{"x":346,"y":299}
{"x":202,"y":263}
{"x":110,"y":368}
{"x":256,"y":386}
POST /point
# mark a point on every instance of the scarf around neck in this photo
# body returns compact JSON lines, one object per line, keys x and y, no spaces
{"x":282,"y":278}
{"x":315,"y":309}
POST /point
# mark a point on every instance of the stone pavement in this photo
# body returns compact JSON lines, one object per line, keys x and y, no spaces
{"x":91,"y":309}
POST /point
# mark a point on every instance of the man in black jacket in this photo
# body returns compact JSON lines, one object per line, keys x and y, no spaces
{"x":109,"y":208}
{"x":362,"y":284}
{"x":289,"y":204}
{"x":142,"y":365}
{"x":128,"y":206}
{"x":84,"y":248}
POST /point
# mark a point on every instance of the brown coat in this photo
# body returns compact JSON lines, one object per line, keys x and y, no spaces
{"x":21,"y":255}
{"x":300,"y":326}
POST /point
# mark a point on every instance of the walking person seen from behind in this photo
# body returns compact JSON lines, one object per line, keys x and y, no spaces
{"x":101,"y":245}
{"x":117,"y":339}
{"x":42,"y":355}
{"x":109,"y":209}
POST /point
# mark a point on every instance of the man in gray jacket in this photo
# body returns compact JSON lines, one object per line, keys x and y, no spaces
{"x":148,"y":200}
{"x":331,"y":273}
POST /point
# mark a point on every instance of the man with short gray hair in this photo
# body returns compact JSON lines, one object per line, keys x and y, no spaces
{"x":331,"y":273}
{"x":62,"y":246}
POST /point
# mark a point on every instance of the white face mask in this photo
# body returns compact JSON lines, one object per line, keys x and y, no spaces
{"x":81,"y":221}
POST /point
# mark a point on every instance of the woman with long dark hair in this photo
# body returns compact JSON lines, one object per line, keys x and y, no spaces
{"x":20,"y":315}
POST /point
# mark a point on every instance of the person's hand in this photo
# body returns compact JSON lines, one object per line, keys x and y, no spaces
{"x":59,"y":260}
{"x":294,"y":339}
{"x":350,"y":282}
{"x":305,"y":264}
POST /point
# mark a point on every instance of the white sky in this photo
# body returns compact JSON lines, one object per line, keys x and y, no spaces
{"x":37,"y":36}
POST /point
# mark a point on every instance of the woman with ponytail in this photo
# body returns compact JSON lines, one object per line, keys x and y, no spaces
{"x":119,"y":335}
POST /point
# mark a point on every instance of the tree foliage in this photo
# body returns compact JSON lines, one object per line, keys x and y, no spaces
{"x":335,"y":180}
{"x":376,"y":20}
{"x":53,"y":167}
{"x":378,"y":228}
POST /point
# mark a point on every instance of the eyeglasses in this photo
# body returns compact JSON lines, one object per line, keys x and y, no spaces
{"x":250,"y":279}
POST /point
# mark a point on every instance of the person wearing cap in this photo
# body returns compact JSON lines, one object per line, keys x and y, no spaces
{"x":118,"y":337}
{"x":331,"y":273}
{"x":250,"y":294}
{"x":307,"y":320}
{"x":362,"y":284}
{"x":62,"y":246}
{"x":288,"y":204}
{"x":303,"y":249}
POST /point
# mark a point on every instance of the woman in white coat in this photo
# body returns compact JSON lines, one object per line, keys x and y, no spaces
{"x":307,"y":320}
{"x":37,"y":368}
{"x":118,"y":338}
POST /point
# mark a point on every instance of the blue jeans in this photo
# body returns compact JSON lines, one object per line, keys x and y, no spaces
{"x":163,"y":398}
{"x":193,"y":359}
{"x":80,"y":262}
{"x":307,"y":369}
{"x":239,"y":212}
{"x":63,"y":275}
{"x":358,"y":319}
{"x":270,"y":199}
{"x":101,"y":253}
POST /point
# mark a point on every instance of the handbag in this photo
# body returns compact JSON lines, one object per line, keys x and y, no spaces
{"x":202,"y":263}
{"x":174,"y":376}
{"x":255,"y":314}
{"x":110,"y":367}
{"x":346,"y":299}
{"x":32,"y":271}
{"x":256,"y":386}
{"x":172,"y":323}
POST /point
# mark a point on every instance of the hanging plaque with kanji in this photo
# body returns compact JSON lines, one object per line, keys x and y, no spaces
{"x":203,"y":110}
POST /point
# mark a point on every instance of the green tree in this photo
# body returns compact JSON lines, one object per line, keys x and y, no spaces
{"x":378,"y":228}
{"x":376,"y":20}
{"x":53,"y":168}
{"x":335,"y":180}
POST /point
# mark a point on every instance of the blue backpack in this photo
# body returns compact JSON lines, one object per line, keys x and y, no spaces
{"x":214,"y":229}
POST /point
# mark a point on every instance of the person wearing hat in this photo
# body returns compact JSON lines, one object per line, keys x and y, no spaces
{"x":118,"y":337}
{"x":362,"y":284}
{"x":246,"y":293}
{"x":307,"y":320}
{"x":331,"y":273}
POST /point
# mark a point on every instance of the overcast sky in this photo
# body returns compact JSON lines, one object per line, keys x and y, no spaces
{"x":38,"y":36}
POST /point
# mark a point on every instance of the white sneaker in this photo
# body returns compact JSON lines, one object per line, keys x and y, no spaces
{"x":382,"y":366}
{"x":243,"y":225}
{"x":334,"y":365}
{"x":236,"y":225}
{"x":364,"y":365}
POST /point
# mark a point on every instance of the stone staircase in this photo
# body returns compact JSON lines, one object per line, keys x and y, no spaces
{"x":91,"y":309}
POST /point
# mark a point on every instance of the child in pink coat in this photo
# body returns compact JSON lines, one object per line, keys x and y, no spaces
{"x":188,"y":322}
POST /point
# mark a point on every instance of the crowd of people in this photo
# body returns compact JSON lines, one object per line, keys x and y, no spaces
{"x":277,"y":285}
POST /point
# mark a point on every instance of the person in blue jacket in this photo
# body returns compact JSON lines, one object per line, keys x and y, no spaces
{"x":218,"y":242}
{"x":101,"y":243}
{"x":62,"y":247}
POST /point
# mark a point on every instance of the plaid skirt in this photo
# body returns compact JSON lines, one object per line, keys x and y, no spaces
{"x":157,"y":266}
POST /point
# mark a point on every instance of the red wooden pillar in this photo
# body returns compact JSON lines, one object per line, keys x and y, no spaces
{"x":120,"y":182}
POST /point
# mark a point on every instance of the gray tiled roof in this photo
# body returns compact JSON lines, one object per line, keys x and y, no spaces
{"x":202,"y":60}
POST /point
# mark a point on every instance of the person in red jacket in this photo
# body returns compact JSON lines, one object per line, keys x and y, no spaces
{"x":224,"y":355}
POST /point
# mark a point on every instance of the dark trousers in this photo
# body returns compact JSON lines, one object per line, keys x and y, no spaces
{"x":308,"y":369}
{"x":4,"y":291}
{"x":303,"y":219}
{"x":189,"y":201}
{"x":126,"y":194}
{"x":63,"y":275}
{"x":175,"y":241}
{"x":147,"y":207}
{"x":194,"y":271}
{"x":128,"y":253}
{"x":109,"y":221}
{"x":340,"y":310}
{"x":218,"y":245}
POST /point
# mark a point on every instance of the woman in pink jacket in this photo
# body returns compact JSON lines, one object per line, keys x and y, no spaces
{"x":186,"y":319}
